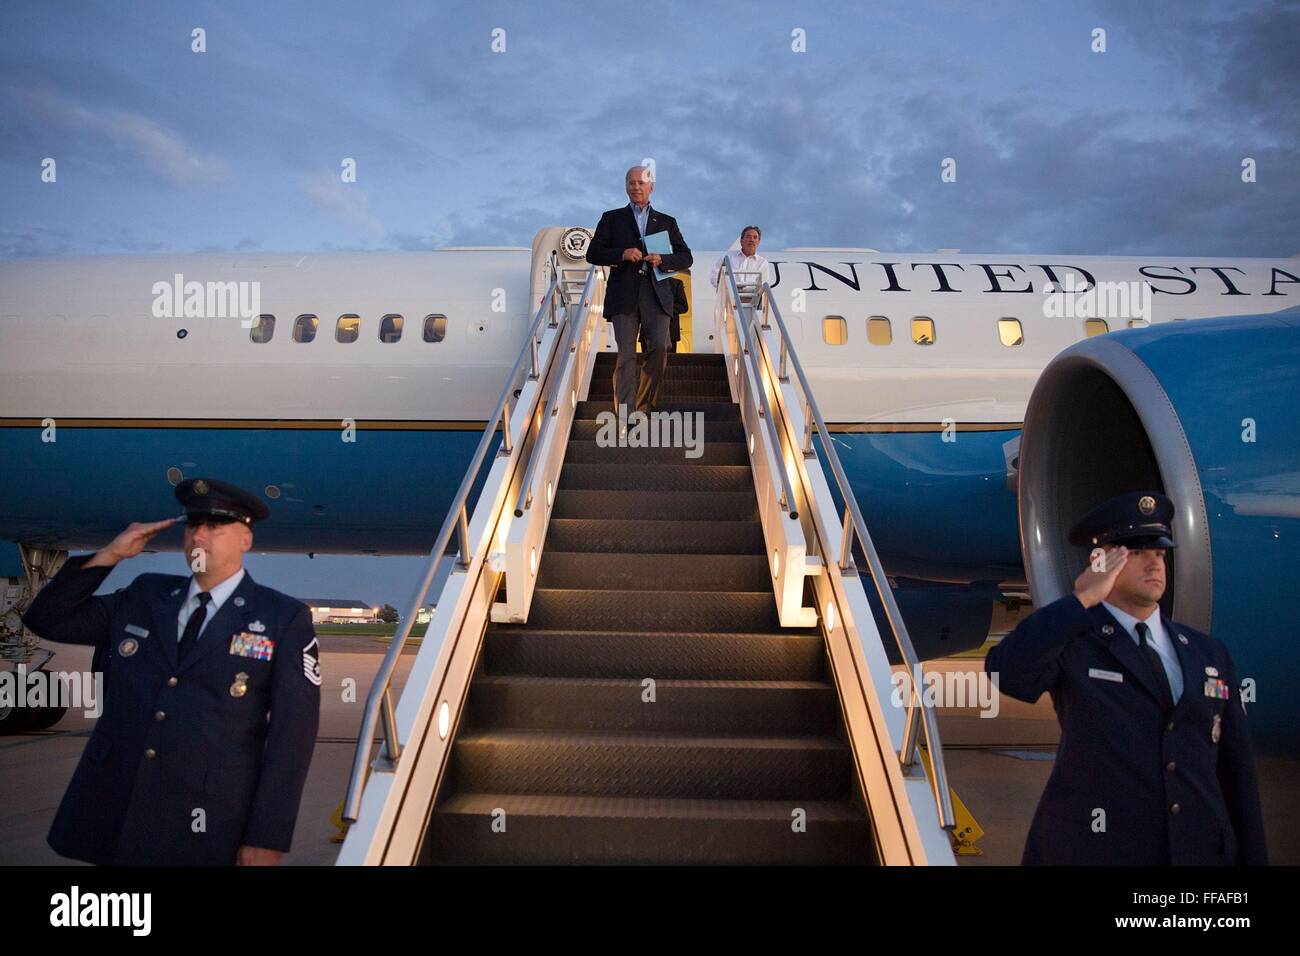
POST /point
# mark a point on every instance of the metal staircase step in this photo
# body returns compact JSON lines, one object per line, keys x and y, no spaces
{"x":651,"y":704}
{"x":714,"y":409}
{"x":714,"y":431}
{"x":705,"y":452}
{"x":664,"y":505}
{"x":652,"y":765}
{"x":602,"y":388}
{"x":654,"y":572}
{"x":636,"y":536}
{"x":542,"y":829}
{"x":791,"y":654}
{"x":620,"y":477}
{"x":713,"y":372}
{"x":654,"y":610}
{"x":675,"y":359}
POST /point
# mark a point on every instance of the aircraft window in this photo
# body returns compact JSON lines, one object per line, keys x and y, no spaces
{"x":1010,"y":332}
{"x":1138,"y":323}
{"x":923,"y":330}
{"x":835,"y":331}
{"x":435,"y":328}
{"x":348,"y":328}
{"x":390,"y":328}
{"x":304,"y":328}
{"x":878,"y":330}
{"x":261,"y":332}
{"x":1095,"y":327}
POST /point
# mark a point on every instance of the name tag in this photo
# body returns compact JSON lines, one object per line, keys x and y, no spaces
{"x":1099,"y":674}
{"x":246,"y":644}
{"x":137,"y":631}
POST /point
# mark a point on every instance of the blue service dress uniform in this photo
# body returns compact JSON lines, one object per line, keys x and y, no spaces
{"x":228,"y":732}
{"x":1173,"y":787}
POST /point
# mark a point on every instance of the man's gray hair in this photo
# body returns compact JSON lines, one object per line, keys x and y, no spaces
{"x":755,"y":228}
{"x":648,"y":170}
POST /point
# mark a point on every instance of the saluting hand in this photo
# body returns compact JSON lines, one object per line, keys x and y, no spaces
{"x":128,"y":544}
{"x":1094,"y":586}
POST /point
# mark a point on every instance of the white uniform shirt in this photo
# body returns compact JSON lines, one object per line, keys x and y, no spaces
{"x":219,"y":595}
{"x":1157,"y":639}
{"x":741,"y":263}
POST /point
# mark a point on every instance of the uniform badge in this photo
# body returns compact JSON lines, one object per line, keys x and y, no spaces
{"x":239,"y":602}
{"x":240,"y":687}
{"x":1183,"y":638}
{"x":1107,"y":629}
{"x":256,"y":646}
{"x":176,"y":592}
{"x":137,"y":630}
{"x":1212,"y":672}
{"x":128,"y":647}
{"x":1217,"y":730}
{"x":1147,"y":505}
{"x":257,"y":627}
{"x":311,"y":661}
{"x":1217,"y":689}
{"x":200,"y":487}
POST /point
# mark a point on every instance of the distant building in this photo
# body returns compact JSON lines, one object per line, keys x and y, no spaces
{"x":335,"y":611}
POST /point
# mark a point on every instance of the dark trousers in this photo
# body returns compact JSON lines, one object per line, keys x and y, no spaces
{"x":640,"y":392}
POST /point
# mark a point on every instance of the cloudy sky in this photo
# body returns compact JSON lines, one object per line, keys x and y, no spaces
{"x":1058,"y":148}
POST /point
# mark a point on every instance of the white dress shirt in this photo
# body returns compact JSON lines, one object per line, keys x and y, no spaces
{"x":219,"y":595}
{"x":642,"y":216}
{"x":1158,"y":639}
{"x":741,"y":263}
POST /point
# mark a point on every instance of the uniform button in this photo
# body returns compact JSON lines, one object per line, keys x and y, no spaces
{"x":172,"y":682}
{"x":150,"y":753}
{"x":1170,"y":766}
{"x":1169,"y":726}
{"x":160,"y":716}
{"x":1175,"y":809}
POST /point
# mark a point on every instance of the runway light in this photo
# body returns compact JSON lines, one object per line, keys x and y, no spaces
{"x":532,"y":561}
{"x":444,"y":720}
{"x":830,"y":617}
{"x":776,"y":564}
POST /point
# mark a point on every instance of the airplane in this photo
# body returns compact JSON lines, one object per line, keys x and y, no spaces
{"x":354,"y":393}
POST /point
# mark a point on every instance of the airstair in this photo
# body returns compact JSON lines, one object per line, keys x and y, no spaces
{"x":654,"y":646}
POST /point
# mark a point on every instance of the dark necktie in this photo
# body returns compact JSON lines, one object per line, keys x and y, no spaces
{"x":194,"y":624}
{"x":1157,"y":665}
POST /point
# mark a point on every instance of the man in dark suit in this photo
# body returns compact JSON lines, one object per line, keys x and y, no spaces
{"x":212,"y":697}
{"x":680,"y":306}
{"x":1154,"y":765}
{"x":634,"y":299}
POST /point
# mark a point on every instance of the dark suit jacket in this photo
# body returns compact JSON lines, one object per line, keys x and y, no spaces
{"x":617,"y":231}
{"x":680,"y":304}
{"x":1121,"y":752}
{"x":212,"y":750}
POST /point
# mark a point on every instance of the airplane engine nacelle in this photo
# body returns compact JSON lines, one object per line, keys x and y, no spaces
{"x":1207,"y":411}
